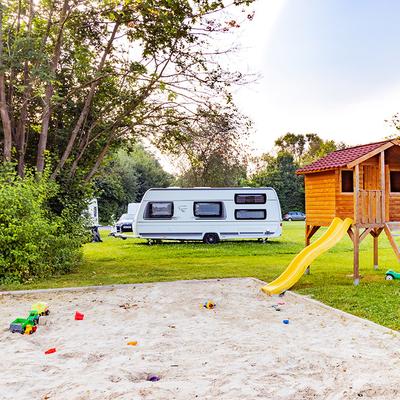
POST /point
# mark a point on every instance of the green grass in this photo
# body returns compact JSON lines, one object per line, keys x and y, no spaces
{"x":132,"y":261}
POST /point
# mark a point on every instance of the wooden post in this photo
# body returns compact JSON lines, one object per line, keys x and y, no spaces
{"x":356,"y":178}
{"x":383,"y":186}
{"x":356,"y":231}
{"x":356,"y":261}
{"x":375,"y":236}
{"x":308,"y":241}
{"x":310,"y":232}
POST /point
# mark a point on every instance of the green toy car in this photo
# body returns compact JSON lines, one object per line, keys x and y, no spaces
{"x":390,"y":275}
{"x":23,"y":325}
{"x":29,"y":325}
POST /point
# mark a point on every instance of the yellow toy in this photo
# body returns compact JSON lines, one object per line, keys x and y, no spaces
{"x":28,"y":330}
{"x":41,"y":308}
{"x":209,"y":305}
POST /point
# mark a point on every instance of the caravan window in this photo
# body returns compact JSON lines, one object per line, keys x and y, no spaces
{"x":250,"y":214}
{"x":160,"y":209}
{"x":250,"y":198}
{"x":207,"y":209}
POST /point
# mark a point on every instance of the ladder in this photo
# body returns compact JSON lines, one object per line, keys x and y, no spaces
{"x":392,"y":229}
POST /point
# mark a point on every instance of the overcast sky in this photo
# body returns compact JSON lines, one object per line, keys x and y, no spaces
{"x":330,"y":67}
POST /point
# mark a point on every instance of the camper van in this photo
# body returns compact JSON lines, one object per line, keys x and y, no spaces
{"x":133,"y":209}
{"x":126,"y":221}
{"x":209,"y":214}
{"x":92,"y":213}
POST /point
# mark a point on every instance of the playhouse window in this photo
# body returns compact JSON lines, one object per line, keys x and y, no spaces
{"x":395,"y":181}
{"x":347,"y":182}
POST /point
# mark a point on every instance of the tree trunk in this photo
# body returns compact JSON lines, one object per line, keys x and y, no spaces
{"x":5,"y":116}
{"x":21,"y":129}
{"x":49,"y":92}
{"x":86,"y":108}
{"x":99,"y":160}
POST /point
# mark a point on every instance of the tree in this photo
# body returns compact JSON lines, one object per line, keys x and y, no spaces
{"x":306,"y":148}
{"x":125,"y":179}
{"x":209,"y":149}
{"x":280,"y":173}
{"x":78,"y":79}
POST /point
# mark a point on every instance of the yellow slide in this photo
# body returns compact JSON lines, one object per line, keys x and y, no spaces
{"x":337,"y":229}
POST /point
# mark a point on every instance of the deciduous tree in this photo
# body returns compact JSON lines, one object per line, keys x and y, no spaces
{"x":79,"y":78}
{"x":210,"y":149}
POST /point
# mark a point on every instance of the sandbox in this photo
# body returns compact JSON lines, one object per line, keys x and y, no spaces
{"x":239,"y":350}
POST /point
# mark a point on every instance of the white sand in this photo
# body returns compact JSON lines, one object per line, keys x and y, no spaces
{"x":240,"y":350}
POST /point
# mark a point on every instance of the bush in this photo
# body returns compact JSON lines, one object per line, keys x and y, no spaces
{"x":34,"y":241}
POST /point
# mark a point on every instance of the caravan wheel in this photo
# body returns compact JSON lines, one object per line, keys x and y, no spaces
{"x":211,"y":238}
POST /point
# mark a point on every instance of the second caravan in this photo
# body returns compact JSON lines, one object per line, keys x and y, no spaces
{"x":209,"y":214}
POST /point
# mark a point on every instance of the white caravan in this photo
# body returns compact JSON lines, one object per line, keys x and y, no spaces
{"x":133,"y":208}
{"x":209,"y":214}
{"x":92,"y":213}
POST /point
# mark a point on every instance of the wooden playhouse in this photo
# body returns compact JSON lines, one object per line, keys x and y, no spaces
{"x":362,"y":183}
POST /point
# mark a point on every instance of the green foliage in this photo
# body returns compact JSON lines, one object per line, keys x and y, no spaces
{"x":210,"y":148}
{"x":86,"y":78}
{"x":125,"y":179}
{"x":280,"y":173}
{"x":306,"y":148}
{"x":34,"y":241}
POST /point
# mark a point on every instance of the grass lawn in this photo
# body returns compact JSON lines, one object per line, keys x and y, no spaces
{"x":131,"y":261}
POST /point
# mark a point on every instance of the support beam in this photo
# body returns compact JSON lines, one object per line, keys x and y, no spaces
{"x":392,"y":241}
{"x":375,"y":252}
{"x":356,"y":179}
{"x":375,"y":234}
{"x":310,"y":232}
{"x":382,"y":183}
{"x":351,"y":234}
{"x":356,"y":260}
{"x":366,"y":232}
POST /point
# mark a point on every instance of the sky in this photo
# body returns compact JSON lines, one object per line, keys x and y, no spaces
{"x":330,"y":67}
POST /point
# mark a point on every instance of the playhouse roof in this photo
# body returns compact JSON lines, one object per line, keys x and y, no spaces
{"x":342,"y":158}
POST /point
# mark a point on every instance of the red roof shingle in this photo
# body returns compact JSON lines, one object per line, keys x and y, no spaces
{"x":340,"y":158}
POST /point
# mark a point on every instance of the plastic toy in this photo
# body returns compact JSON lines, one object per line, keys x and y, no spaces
{"x":390,"y":275}
{"x":79,"y":316}
{"x":33,"y":317}
{"x":153,"y":378}
{"x":50,"y":351}
{"x":209,"y":305}
{"x":29,"y":325}
{"x":23,"y":325}
{"x":132,"y":343}
{"x":285,"y":321}
{"x":41,"y":308}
